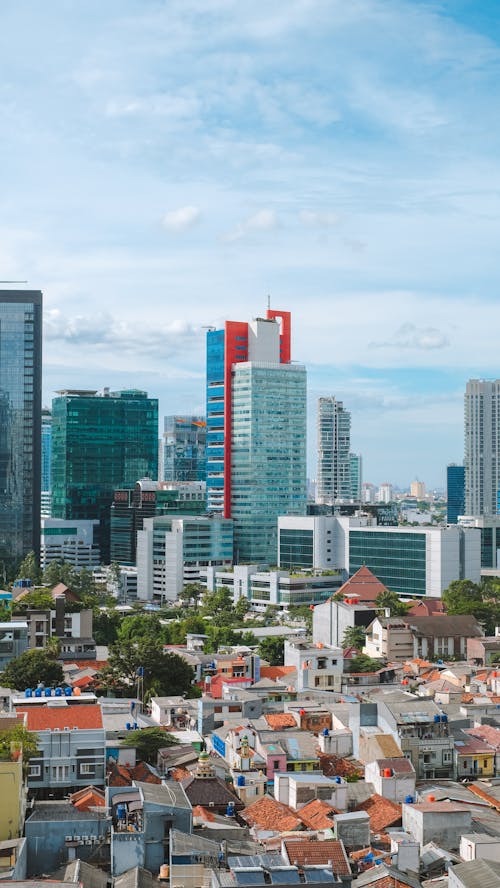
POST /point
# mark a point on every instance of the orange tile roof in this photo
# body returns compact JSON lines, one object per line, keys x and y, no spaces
{"x":143,"y":774}
{"x":310,"y":851}
{"x":480,"y":793}
{"x":83,"y":682}
{"x":275,"y":672}
{"x":268,"y":814}
{"x":333,"y":766}
{"x":90,"y":664}
{"x":317,"y":814}
{"x":382,"y":812}
{"x":119,"y":776}
{"x":81,"y":716}
{"x":364,"y":584}
{"x":179,"y":774}
{"x":279,"y":720}
{"x":488,"y":733}
{"x":204,"y":813}
{"x":87,"y":798}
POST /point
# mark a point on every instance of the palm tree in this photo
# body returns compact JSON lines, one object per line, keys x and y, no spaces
{"x":354,"y":636}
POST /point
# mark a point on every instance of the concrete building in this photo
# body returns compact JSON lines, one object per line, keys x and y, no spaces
{"x":389,"y":638}
{"x":356,"y":470}
{"x":71,"y":743}
{"x":73,"y":630}
{"x":435,"y":637}
{"x":256,"y":431}
{"x":489,"y":526}
{"x":318,"y":667}
{"x":439,"y":822}
{"x":171,"y":552}
{"x":296,"y":790}
{"x":46,"y":473}
{"x":278,"y":587}
{"x":393,"y":778}
{"x":306,"y":542}
{"x":355,"y":608}
{"x":72,"y":541}
{"x":482,"y":446}
{"x":421,"y":731}
{"x":334,"y":444}
{"x":13,"y":641}
{"x":13,"y":794}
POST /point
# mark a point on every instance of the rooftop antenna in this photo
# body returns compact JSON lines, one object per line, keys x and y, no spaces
{"x":269,"y":300}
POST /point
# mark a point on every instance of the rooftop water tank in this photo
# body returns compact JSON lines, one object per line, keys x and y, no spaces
{"x":230,"y":809}
{"x":338,"y":780}
{"x":67,"y":692}
{"x":48,"y":692}
{"x":326,"y":732}
{"x":240,"y":781}
{"x":28,"y":692}
{"x":58,"y":692}
{"x":437,"y":718}
{"x":38,"y":692}
{"x":387,"y":772}
{"x":409,"y":800}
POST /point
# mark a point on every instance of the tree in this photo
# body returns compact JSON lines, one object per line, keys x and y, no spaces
{"x":18,"y":737}
{"x":37,"y":599}
{"x":362,"y":663}
{"x":272,"y":649}
{"x":137,"y":626}
{"x":391,"y":600}
{"x":105,"y":627}
{"x":480,"y":599}
{"x":164,"y":672}
{"x":32,"y":668}
{"x":354,"y":636}
{"x":217,"y":602}
{"x":148,"y":742}
{"x":191,"y":592}
{"x":29,"y":570}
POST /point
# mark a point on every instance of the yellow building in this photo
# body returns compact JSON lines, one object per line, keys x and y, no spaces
{"x":12,"y":798}
{"x":473,"y":758}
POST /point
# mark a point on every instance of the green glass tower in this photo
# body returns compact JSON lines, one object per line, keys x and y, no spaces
{"x":100,"y":442}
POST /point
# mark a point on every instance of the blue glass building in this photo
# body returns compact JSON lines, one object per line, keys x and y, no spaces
{"x":455,"y":492}
{"x":20,"y":420}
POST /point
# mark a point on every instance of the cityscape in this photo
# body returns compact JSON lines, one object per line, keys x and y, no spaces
{"x":249,"y":445}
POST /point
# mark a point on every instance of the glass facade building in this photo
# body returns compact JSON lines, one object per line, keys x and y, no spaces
{"x":482,"y":446}
{"x":184,"y":445}
{"x":296,"y":548}
{"x":20,"y":423}
{"x":398,"y":560}
{"x":455,"y":493}
{"x":46,"y":502}
{"x":355,"y":468}
{"x":100,"y":443}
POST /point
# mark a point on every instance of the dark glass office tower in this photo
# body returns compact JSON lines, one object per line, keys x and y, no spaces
{"x":455,"y":492}
{"x":100,"y":443}
{"x":20,"y":421}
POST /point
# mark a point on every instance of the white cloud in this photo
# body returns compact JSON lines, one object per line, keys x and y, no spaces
{"x":318,"y":219}
{"x":263,"y":220}
{"x":410,"y":336}
{"x":181,"y":219}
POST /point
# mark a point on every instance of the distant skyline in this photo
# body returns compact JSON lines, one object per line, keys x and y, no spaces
{"x":167,"y":164}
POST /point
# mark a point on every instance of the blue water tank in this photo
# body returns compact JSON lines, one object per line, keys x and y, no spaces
{"x":338,"y":780}
{"x":135,"y":726}
{"x":67,"y":692}
{"x":28,"y":692}
{"x":38,"y":692}
{"x":121,"y":811}
{"x":128,"y":726}
{"x":325,"y":732}
{"x":440,"y":663}
{"x":437,"y":718}
{"x":378,"y":862}
{"x":240,"y":781}
{"x":58,"y":692}
{"x":48,"y":692}
{"x":409,"y":800}
{"x":444,"y":718}
{"x":369,"y":856}
{"x":230,"y":809}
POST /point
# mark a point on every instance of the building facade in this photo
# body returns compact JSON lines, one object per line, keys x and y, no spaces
{"x":74,"y":542}
{"x":482,"y":446}
{"x":46,"y":501}
{"x":184,"y":445}
{"x":100,"y":442}
{"x":455,"y":493}
{"x":256,"y":431}
{"x":277,"y":587}
{"x":20,"y":423}
{"x":334,"y":443}
{"x":356,"y":470}
{"x":306,"y":542}
{"x":172,"y":551}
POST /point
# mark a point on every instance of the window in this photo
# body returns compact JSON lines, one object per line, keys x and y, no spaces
{"x":485,"y":763}
{"x":446,"y":755}
{"x":276,"y":764}
{"x":34,"y":771}
{"x":87,"y":768}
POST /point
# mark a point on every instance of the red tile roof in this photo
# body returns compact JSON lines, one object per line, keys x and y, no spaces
{"x":279,"y":720}
{"x":480,"y":793}
{"x":428,"y":607}
{"x":364,"y":585}
{"x":179,"y":774}
{"x":203,"y":813}
{"x":312,"y":852}
{"x":275,"y":672}
{"x":81,"y":716}
{"x":317,"y":814}
{"x":334,"y":766}
{"x":268,"y":814}
{"x":83,"y":682}
{"x":87,"y":798}
{"x":487,"y":733}
{"x":398,"y":764}
{"x":382,"y":812}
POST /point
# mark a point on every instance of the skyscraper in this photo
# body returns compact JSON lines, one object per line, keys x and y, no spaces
{"x":184,"y":446}
{"x":20,"y":411}
{"x":455,"y":492}
{"x":482,"y":446}
{"x":256,"y":431}
{"x":334,"y":442}
{"x":356,"y":470}
{"x":46,"y":502}
{"x":100,"y":442}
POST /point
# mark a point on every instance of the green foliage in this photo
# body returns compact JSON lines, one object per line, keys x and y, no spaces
{"x":303,"y":612}
{"x":139,"y":626}
{"x":354,"y":636}
{"x":165,"y":673}
{"x":482,"y":600}
{"x":31,"y":668}
{"x":272,"y":649}
{"x":391,"y":600}
{"x":38,"y":599}
{"x":105,"y":627}
{"x":18,"y":737}
{"x":362,"y":663}
{"x":191,"y":592}
{"x":215,"y":603}
{"x":29,"y":569}
{"x":147,"y":742}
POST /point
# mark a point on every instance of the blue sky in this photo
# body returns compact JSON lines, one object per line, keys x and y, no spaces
{"x":166,"y":165}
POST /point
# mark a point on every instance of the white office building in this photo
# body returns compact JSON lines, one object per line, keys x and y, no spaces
{"x":482,"y":446}
{"x":70,"y":541}
{"x":334,"y":443}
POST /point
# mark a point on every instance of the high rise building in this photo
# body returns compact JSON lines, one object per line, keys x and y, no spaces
{"x":334,"y":442}
{"x":417,"y":489}
{"x":46,"y":502}
{"x":184,"y":446}
{"x":455,"y":492}
{"x":482,"y":446}
{"x":20,"y":412}
{"x":355,"y":468}
{"x":100,"y":442}
{"x":256,"y":431}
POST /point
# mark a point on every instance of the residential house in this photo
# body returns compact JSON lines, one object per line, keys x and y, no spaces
{"x":318,"y":666}
{"x":73,"y":630}
{"x":205,"y":789}
{"x":309,"y":853}
{"x":393,"y":778}
{"x":473,"y":756}
{"x":439,"y":636}
{"x":56,"y":829}
{"x":421,"y":731}
{"x":13,"y":641}
{"x":389,"y":638}
{"x":483,"y":651}
{"x":71,"y":749}
{"x":13,"y":791}
{"x":352,"y":605}
{"x":474,"y":873}
{"x":491,"y":736}
{"x":296,"y":790}
{"x":440,"y":822}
